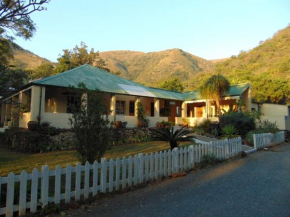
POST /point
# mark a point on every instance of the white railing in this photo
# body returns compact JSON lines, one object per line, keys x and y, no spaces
{"x":268,"y":139}
{"x":73,"y":183}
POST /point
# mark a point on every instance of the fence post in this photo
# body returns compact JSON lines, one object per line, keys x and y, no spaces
{"x":176,"y":160}
{"x":87,"y":180}
{"x":34,"y":187}
{"x":136,"y":169}
{"x":111,"y":175}
{"x":10,"y":195}
{"x":44,"y":185}
{"x":23,"y":190}
{"x":124,"y":169}
{"x":156,"y":165}
{"x":141,"y":167}
{"x":130,"y":170}
{"x":95,"y":177}
{"x":78,"y":182}
{"x":146,"y":167}
{"x":118,"y":164}
{"x":104,"y":175}
{"x":255,"y":141}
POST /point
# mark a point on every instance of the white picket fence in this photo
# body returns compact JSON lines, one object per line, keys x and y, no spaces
{"x":268,"y":139}
{"x":73,"y":183}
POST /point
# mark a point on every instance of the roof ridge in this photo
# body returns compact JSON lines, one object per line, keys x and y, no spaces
{"x":61,"y":74}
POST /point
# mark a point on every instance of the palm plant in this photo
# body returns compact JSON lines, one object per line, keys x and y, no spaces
{"x":171,"y":136}
{"x":229,"y":131}
{"x":215,"y":87}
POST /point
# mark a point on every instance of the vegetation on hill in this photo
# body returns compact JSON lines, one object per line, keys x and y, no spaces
{"x":266,"y":67}
{"x":155,"y":67}
{"x":172,"y":84}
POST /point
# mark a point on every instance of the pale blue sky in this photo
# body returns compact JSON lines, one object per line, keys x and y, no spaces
{"x":211,"y":29}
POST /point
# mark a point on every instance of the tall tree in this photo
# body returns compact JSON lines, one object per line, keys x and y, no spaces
{"x":42,"y":71}
{"x":15,"y":17}
{"x":214,"y":88}
{"x":12,"y":80}
{"x":172,"y":84}
{"x":89,"y":123}
{"x":79,"y":56}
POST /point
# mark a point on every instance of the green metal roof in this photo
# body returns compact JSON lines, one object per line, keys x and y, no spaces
{"x":98,"y":79}
{"x":235,"y":90}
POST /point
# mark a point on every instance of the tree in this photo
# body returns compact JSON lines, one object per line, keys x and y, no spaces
{"x":44,"y":70}
{"x":79,"y":56}
{"x":5,"y":54}
{"x":172,"y":84}
{"x":12,"y":80}
{"x":89,"y":123}
{"x":167,"y":134}
{"x":214,"y":88}
{"x":15,"y":17}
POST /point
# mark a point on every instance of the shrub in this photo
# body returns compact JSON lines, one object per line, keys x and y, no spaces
{"x":265,"y":127}
{"x":243,"y":123}
{"x":171,"y":136}
{"x":229,"y":132}
{"x":268,"y":126}
{"x":89,"y":123}
{"x":204,"y":125}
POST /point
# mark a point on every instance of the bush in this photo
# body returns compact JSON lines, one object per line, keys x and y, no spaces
{"x":268,"y":126}
{"x":265,"y":127}
{"x":243,"y":123}
{"x":203,"y":126}
{"x":229,"y":132}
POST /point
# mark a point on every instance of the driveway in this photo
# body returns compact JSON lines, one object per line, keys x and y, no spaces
{"x":258,"y":185}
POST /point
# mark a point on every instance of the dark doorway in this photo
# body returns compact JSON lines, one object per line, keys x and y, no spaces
{"x":152,"y":109}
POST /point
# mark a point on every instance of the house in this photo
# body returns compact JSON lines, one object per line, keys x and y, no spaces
{"x":47,"y":98}
{"x":274,"y":113}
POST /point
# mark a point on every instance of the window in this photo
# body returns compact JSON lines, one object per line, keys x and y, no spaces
{"x":120,"y":107}
{"x":131,"y":108}
{"x":165,"y":111}
{"x":73,"y":104}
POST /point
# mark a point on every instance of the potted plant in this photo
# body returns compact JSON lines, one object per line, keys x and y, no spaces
{"x":140,"y":114}
{"x":118,"y":124}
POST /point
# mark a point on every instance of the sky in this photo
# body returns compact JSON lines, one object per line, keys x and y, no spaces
{"x":211,"y":29}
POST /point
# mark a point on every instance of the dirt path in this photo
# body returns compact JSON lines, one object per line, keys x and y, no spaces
{"x":258,"y":185}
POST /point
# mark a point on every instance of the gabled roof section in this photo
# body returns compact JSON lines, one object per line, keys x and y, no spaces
{"x":235,"y":90}
{"x":98,"y":79}
{"x":238,"y":89}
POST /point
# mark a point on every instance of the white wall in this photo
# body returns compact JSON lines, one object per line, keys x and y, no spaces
{"x":154,"y":120}
{"x":275,"y":113}
{"x":274,"y":109}
{"x":131,"y":120}
{"x":59,"y":120}
{"x":194,"y":121}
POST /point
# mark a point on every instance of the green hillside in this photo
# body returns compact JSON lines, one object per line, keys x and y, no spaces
{"x":26,"y":59}
{"x":155,"y":67}
{"x":266,"y":67}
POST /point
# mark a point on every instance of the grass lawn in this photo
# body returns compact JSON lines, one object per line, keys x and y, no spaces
{"x":11,"y":161}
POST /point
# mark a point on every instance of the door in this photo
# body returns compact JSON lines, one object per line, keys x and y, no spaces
{"x":152,"y":109}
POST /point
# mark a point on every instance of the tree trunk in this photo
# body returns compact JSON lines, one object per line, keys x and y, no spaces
{"x":173,"y":144}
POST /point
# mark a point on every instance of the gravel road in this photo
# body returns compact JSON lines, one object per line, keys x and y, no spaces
{"x":258,"y":185}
